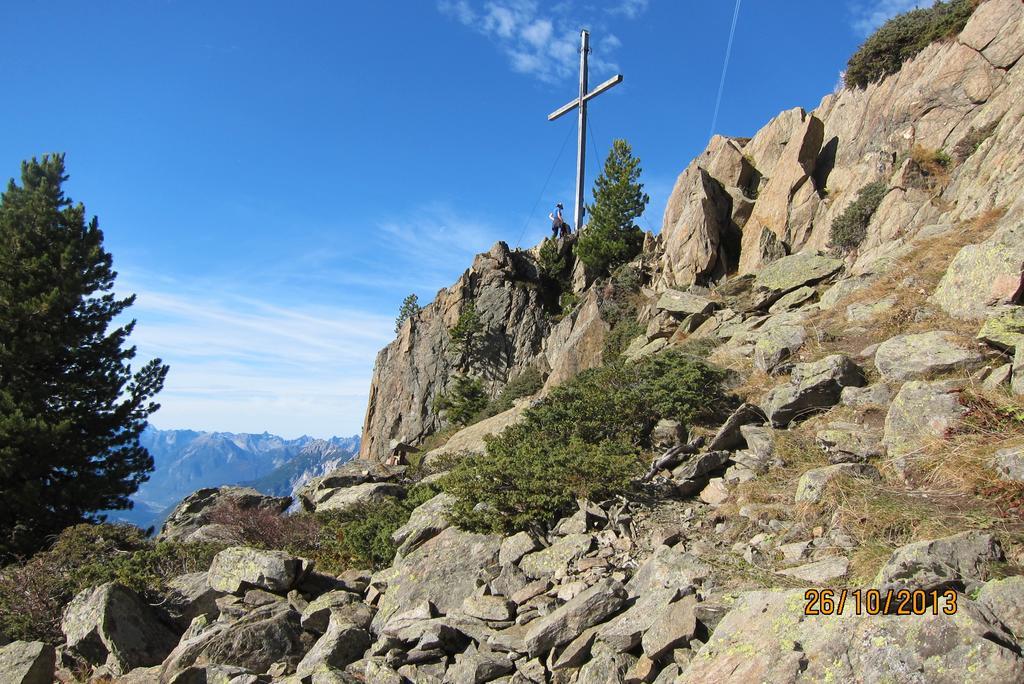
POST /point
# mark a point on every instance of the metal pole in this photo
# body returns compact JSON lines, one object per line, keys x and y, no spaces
{"x":581,"y":139}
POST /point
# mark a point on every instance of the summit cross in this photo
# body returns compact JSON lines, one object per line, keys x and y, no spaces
{"x":580,"y":104}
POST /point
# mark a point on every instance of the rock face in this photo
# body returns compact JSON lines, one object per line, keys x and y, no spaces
{"x":110,"y":625}
{"x":414,"y":369}
{"x":961,"y":561}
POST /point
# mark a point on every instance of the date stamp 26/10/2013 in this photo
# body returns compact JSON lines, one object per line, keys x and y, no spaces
{"x":878,"y":602}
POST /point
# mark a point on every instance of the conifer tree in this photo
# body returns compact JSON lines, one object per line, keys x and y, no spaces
{"x":71,"y":408}
{"x":611,"y":238}
{"x":410,"y":309}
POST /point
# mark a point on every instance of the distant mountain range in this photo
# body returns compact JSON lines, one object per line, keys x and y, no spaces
{"x":187,"y":460}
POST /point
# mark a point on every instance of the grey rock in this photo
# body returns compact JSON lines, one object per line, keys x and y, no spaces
{"x":606,"y":668}
{"x":492,"y":608}
{"x":760,"y":441}
{"x":812,"y":387}
{"x":1017,"y":380}
{"x":668,"y":433}
{"x":730,"y":435}
{"x":794,"y":300}
{"x":925,"y":355}
{"x":477,"y":667}
{"x":341,"y":645}
{"x":1005,"y":598}
{"x":317,"y":614}
{"x":672,"y":628}
{"x":27,"y":662}
{"x":358,"y":495}
{"x":256,"y":641}
{"x":684,"y":303}
{"x":820,"y":572}
{"x":443,"y":571}
{"x":111,"y":625}
{"x":1009,"y":463}
{"x":238,"y":568}
{"x":1005,"y":330}
{"x":692,"y":473}
{"x":877,"y":394}
{"x":426,"y":521}
{"x":961,"y":561}
{"x":766,"y":637}
{"x":849,"y":442}
{"x":777,"y":345}
{"x":548,"y":561}
{"x":667,"y":567}
{"x":791,"y":272}
{"x":189,"y":596}
{"x":566,"y":622}
{"x":813,"y":483}
{"x":921,"y":411}
{"x":576,"y":651}
{"x":998,"y":378}
{"x":624,"y":632}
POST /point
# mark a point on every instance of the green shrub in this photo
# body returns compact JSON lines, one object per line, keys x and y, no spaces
{"x":525,"y":384}
{"x":467,"y":333}
{"x":567,"y":302}
{"x":463,"y":401}
{"x":33,"y":593}
{"x":611,"y":238}
{"x":585,"y":439}
{"x":553,"y":264}
{"x":851,"y":227}
{"x":619,"y":337}
{"x":903,"y":37}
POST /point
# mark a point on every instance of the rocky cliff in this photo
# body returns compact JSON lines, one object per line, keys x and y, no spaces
{"x":745,"y":202}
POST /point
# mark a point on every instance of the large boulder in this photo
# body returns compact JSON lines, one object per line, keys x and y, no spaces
{"x":1005,"y":330}
{"x":358,"y":495}
{"x":812,"y":387}
{"x":342,"y":644}
{"x":27,"y":662}
{"x":193,"y":513}
{"x":111,"y":625}
{"x":556,"y":557}
{"x":768,"y":637}
{"x":427,"y":520}
{"x":961,"y":561}
{"x":791,"y":272}
{"x":695,"y":223}
{"x":575,"y":344}
{"x":986,"y":275}
{"x":189,"y":596}
{"x":667,"y":567}
{"x":350,"y":474}
{"x":443,"y":571}
{"x":920,"y":412}
{"x":925,"y":355}
{"x":238,"y":568}
{"x":812,"y":485}
{"x":1005,"y":598}
{"x":260,"y":638}
{"x":777,"y":345}
{"x":568,"y":621}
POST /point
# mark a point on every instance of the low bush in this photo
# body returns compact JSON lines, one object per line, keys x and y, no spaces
{"x":585,"y":439}
{"x":33,"y":593}
{"x":619,"y":337}
{"x":851,"y":227}
{"x":903,"y":37}
{"x":525,"y":384}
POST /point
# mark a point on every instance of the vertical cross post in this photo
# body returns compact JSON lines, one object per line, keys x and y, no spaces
{"x":580,"y":104}
{"x":581,"y":135}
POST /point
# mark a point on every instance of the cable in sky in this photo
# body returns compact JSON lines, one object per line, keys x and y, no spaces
{"x":725,"y":67}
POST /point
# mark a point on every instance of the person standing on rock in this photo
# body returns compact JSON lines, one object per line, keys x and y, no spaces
{"x":559,"y":228}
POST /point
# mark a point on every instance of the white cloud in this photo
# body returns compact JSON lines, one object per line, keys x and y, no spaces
{"x":543,"y":40}
{"x":244,"y":365}
{"x":631,"y":9}
{"x":870,"y":14}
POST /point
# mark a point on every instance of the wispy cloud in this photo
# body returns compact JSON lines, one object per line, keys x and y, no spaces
{"x":245,"y":365}
{"x":543,"y":40}
{"x":870,"y":14}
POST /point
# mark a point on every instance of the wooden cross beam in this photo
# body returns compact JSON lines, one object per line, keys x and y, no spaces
{"x":580,"y":104}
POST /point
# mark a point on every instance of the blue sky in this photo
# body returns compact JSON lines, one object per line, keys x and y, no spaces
{"x":273,"y":178}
